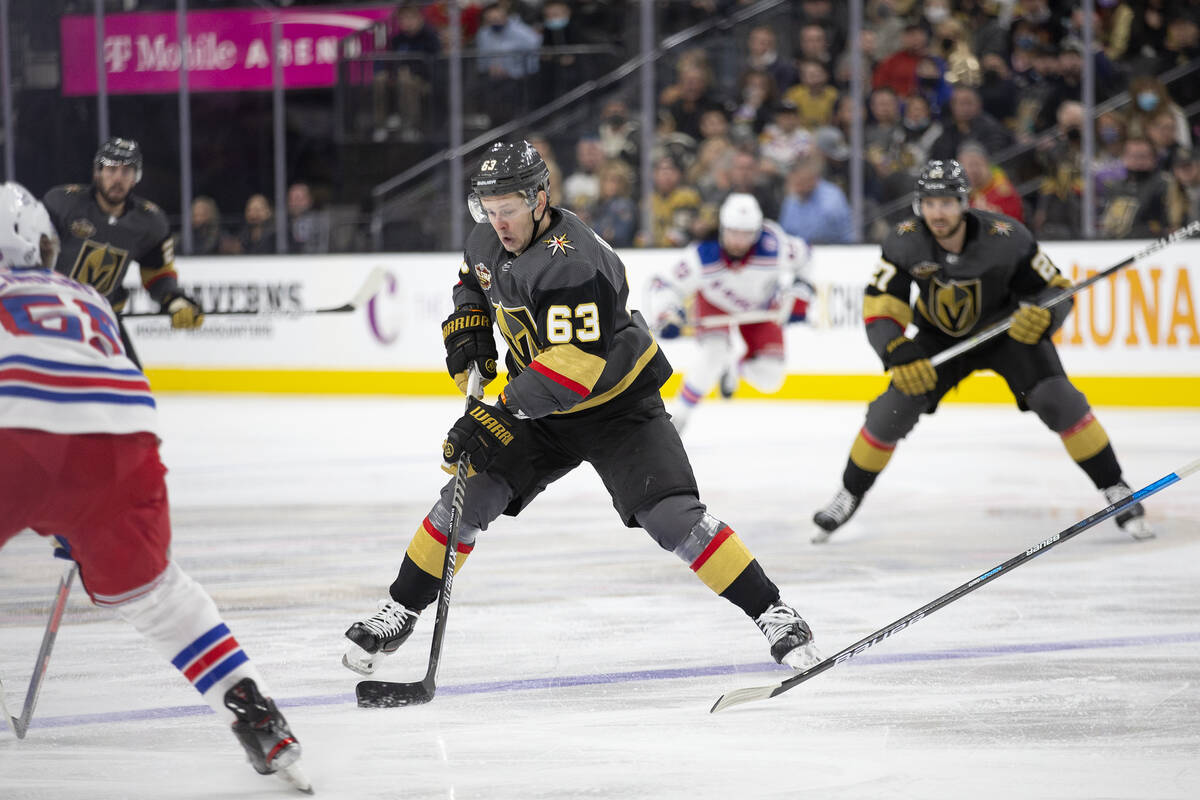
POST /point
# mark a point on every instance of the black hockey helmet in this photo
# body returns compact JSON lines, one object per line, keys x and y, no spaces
{"x":942,"y":179}
{"x":506,"y":169}
{"x":117,"y":152}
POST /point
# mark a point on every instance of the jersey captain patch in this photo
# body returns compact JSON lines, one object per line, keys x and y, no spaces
{"x":558,"y":244}
{"x":955,"y":305}
{"x":100,"y":265}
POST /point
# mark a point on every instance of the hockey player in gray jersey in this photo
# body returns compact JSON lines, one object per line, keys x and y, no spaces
{"x":584,"y":379}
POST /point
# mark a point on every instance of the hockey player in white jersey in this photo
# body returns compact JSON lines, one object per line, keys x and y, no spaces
{"x":79,"y":461}
{"x":736,"y":290}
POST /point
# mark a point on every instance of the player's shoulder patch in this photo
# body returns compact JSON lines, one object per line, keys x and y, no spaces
{"x":75,"y":188}
{"x":1000,"y":227}
{"x":150,"y":207}
{"x":708,"y":250}
{"x":906,"y":227}
{"x":768,"y":243}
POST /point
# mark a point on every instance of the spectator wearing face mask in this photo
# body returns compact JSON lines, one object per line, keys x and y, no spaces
{"x":1136,"y":207}
{"x":1150,"y":97}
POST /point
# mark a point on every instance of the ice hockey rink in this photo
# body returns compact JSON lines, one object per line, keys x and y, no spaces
{"x":581,"y":661}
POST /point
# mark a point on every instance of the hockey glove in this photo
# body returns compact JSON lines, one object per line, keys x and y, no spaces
{"x":911,"y":371}
{"x":481,"y":434}
{"x":185,"y":312}
{"x":1029,"y":324}
{"x":467,"y":334}
{"x":670,"y":323}
{"x":800,"y":293}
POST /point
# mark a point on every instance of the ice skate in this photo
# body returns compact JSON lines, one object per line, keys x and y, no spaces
{"x":1133,"y":519}
{"x":377,"y":636}
{"x":790,"y":637}
{"x":729,"y":382}
{"x":264,"y":734}
{"x":835,"y":514}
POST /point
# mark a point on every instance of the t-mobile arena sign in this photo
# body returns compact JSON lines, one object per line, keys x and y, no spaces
{"x":226,"y":50}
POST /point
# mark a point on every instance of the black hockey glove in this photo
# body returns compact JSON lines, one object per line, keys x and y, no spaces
{"x":467,"y":334}
{"x":911,"y":371}
{"x":185,"y":312}
{"x":481,"y":434}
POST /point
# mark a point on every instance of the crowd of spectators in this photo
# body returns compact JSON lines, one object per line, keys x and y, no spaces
{"x":996,"y":84}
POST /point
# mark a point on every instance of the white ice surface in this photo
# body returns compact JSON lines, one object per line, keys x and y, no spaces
{"x":581,"y":660}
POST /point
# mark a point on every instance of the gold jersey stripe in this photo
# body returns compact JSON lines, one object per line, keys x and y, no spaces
{"x":885,"y":305}
{"x":621,"y":385}
{"x":1085,"y":439}
{"x":722,"y":561}
{"x":573,"y":364}
{"x":428,"y":550}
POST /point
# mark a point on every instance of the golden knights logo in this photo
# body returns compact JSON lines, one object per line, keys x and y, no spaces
{"x":558,"y":244}
{"x":520,"y":334}
{"x":955,"y":305}
{"x":100,"y":265}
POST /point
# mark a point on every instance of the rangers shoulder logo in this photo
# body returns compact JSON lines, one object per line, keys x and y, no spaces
{"x":1000,"y":228}
{"x":558,"y":244}
{"x":82,"y":228}
{"x":908,"y":226}
{"x":484,"y":275}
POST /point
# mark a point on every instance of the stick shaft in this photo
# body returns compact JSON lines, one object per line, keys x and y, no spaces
{"x":869,"y":641}
{"x":21,"y":725}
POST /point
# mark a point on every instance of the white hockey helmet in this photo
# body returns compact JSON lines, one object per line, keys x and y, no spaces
{"x":27,"y":237}
{"x":740,"y":212}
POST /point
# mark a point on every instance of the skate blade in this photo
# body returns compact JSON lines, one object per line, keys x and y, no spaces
{"x":821,"y":536}
{"x":803,"y":658}
{"x":295,"y":777}
{"x":367,"y":671}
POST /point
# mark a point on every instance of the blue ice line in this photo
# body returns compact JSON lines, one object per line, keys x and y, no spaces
{"x":635,"y":676}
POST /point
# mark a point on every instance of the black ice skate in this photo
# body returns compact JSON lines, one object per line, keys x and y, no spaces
{"x":1133,"y":519}
{"x":264,"y":734}
{"x":379,"y":635}
{"x":835,"y":514}
{"x":790,"y":637}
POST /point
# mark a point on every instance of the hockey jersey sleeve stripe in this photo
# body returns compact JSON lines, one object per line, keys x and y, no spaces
{"x":886,"y":306}
{"x":76,"y":397}
{"x":63,"y":365}
{"x":43,"y":379}
{"x":570,"y":367}
{"x":623,"y":384}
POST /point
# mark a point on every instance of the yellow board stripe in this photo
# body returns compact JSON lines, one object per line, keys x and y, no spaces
{"x":1109,"y":390}
{"x":722,"y":561}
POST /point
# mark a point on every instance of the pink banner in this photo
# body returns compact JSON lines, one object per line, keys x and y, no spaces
{"x":226,"y":50}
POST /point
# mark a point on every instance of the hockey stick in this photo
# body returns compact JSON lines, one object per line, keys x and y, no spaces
{"x":1186,"y":232}
{"x":21,"y":725}
{"x":369,"y":288}
{"x":388,"y":694}
{"x":739,"y":696}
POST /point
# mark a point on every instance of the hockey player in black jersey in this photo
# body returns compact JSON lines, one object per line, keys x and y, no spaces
{"x":972,"y":268}
{"x":105,"y":227}
{"x":584,"y":379}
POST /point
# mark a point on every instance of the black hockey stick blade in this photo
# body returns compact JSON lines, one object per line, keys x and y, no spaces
{"x":385,"y":694}
{"x":739,"y":696}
